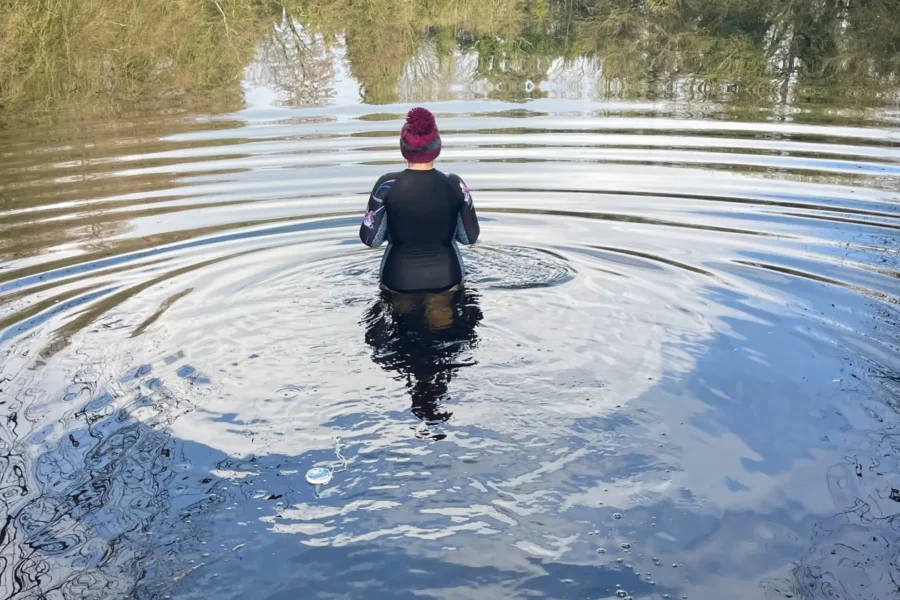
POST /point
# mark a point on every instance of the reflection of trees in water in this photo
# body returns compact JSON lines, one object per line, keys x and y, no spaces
{"x":424,"y":340}
{"x":377,"y":64}
{"x":297,"y":64}
{"x":853,"y":555}
{"x":759,"y":48}
{"x":780,"y":52}
{"x":687,"y":50}
{"x":435,"y":71}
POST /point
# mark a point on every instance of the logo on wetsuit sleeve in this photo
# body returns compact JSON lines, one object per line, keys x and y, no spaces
{"x":465,"y":191}
{"x":369,"y":219}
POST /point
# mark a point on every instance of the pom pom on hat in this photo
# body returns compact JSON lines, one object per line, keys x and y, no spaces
{"x":420,"y":140}
{"x":420,"y":121}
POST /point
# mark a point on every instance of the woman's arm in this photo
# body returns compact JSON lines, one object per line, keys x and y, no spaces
{"x":374,"y":230}
{"x":467,"y":228}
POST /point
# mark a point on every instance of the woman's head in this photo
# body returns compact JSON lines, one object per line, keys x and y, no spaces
{"x":420,"y":140}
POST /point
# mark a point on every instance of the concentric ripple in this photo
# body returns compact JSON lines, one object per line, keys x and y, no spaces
{"x":678,"y":344}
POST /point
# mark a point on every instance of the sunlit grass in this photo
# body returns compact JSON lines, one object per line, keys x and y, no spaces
{"x":52,"y":51}
{"x":101,"y":53}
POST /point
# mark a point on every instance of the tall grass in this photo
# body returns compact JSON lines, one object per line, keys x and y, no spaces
{"x":56,"y":50}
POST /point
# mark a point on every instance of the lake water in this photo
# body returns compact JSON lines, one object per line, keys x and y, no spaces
{"x":674,"y":371}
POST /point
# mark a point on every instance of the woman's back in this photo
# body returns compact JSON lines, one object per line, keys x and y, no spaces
{"x":422,"y":209}
{"x":421,"y":213}
{"x":426,"y":212}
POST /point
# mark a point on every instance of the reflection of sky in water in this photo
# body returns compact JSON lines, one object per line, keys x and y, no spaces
{"x":667,"y":457}
{"x":333,"y":81}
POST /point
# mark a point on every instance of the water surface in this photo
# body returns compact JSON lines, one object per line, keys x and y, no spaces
{"x":674,"y":372}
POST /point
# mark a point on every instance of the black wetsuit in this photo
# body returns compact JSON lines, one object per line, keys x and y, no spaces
{"x":421,"y":215}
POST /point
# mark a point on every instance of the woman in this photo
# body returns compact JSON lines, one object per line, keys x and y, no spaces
{"x":421,"y":213}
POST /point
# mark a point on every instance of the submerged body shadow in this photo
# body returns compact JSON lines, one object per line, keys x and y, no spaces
{"x":421,"y":338}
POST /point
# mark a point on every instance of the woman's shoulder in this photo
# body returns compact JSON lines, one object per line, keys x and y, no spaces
{"x":456,"y":182}
{"x":452,"y":177}
{"x":388,"y":178}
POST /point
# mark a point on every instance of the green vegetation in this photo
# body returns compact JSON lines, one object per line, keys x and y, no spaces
{"x":86,"y":52}
{"x":57,"y":50}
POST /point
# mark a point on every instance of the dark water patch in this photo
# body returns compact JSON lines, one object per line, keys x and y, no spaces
{"x":660,"y":259}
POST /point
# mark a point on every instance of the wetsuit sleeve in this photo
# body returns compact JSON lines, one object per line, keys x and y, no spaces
{"x":467,"y":228}
{"x":374,"y":229}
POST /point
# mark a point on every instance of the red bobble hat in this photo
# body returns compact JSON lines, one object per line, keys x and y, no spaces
{"x":420,"y":140}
